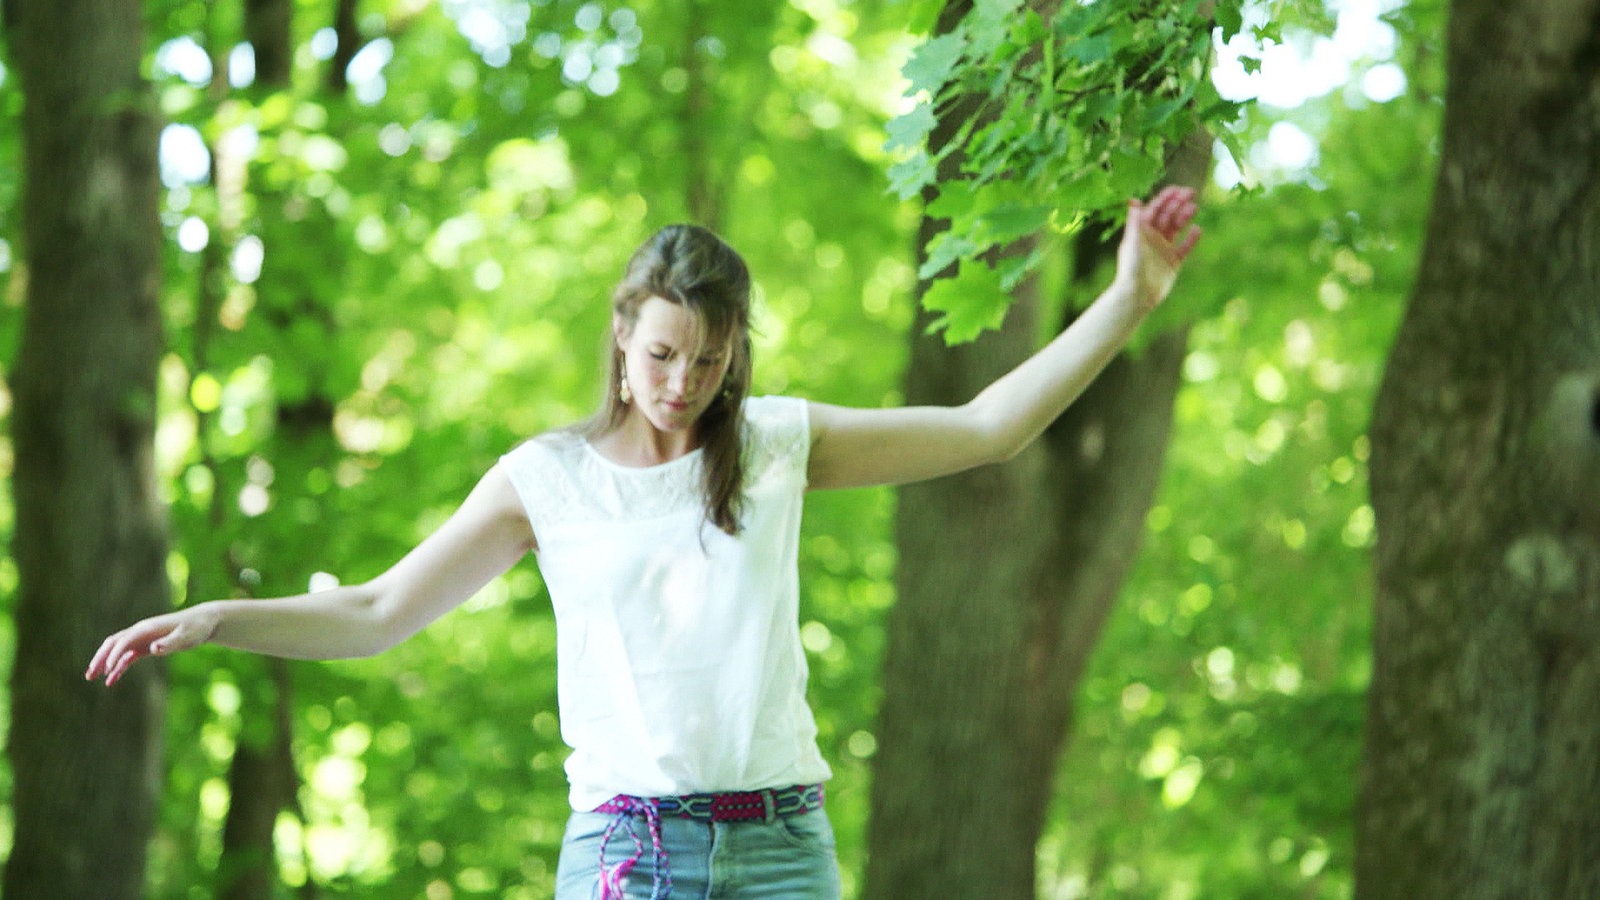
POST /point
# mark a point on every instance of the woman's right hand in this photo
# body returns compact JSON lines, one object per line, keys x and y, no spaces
{"x":156,"y":636}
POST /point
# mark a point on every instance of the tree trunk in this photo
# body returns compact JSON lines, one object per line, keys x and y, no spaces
{"x":261,"y":782}
{"x":262,"y":778}
{"x":1482,"y":757}
{"x":348,"y":32}
{"x":1006,"y":577}
{"x":703,"y":187}
{"x":267,"y":28}
{"x":90,"y":540}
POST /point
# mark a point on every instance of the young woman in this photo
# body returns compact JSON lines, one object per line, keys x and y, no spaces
{"x":666,"y":529}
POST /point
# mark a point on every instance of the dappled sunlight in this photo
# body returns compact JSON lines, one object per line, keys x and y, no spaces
{"x":391,"y":287}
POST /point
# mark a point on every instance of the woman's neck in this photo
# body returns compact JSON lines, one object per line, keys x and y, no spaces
{"x":636,"y":442}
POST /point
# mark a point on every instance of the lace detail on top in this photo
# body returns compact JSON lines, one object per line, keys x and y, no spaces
{"x":563,"y":480}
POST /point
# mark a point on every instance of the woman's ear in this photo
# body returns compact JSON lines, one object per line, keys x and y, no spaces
{"x":619,"y":330}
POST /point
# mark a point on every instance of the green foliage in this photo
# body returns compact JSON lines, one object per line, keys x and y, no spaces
{"x":436,"y":262}
{"x":1023,"y":124}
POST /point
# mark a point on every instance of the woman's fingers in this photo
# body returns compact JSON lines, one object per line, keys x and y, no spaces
{"x":106,"y":658}
{"x":1188,"y":242}
{"x":123,"y":649}
{"x":1170,"y":216}
{"x":1172,"y":209}
{"x":116,"y":661}
{"x":98,"y":661}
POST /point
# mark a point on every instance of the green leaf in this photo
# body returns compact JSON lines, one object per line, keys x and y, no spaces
{"x":1031,"y":30}
{"x":930,"y":65}
{"x":1097,"y":107}
{"x":1085,"y":191}
{"x":1012,"y":269}
{"x":909,"y":130}
{"x":945,"y":249}
{"x":908,"y":177}
{"x":1133,"y":173}
{"x":1161,"y":112}
{"x":1008,"y":222}
{"x":924,"y":16}
{"x":971,"y":302}
{"x":1088,"y":50}
{"x":955,"y":200}
{"x":1229,"y":16}
{"x":1230,"y":142}
{"x":989,"y":24}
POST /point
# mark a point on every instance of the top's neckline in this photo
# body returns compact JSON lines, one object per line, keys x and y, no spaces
{"x":623,"y":467}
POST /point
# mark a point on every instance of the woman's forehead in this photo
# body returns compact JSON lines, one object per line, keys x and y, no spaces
{"x":671,"y":323}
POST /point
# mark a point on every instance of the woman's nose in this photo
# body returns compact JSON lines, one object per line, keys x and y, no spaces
{"x":678,"y":379}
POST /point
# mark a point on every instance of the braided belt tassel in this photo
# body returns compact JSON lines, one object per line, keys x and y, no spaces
{"x":612,"y":880}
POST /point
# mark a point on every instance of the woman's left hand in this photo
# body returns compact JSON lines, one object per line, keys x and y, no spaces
{"x":1158,"y":237}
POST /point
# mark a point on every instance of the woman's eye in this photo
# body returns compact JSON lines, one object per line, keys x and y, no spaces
{"x":660,"y":354}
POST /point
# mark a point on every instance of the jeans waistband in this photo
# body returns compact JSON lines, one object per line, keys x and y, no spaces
{"x":738,"y":806}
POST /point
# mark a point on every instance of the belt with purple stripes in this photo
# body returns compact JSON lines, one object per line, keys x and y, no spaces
{"x":735,"y":806}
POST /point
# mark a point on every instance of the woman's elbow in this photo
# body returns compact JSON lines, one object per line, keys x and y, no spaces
{"x":1005,"y":452}
{"x":379,"y":623}
{"x":994,"y":439}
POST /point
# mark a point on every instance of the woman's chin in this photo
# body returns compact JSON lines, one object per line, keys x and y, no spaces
{"x":670,"y":418}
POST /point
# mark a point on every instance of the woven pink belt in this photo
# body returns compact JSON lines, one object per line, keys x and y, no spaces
{"x":737,"y":806}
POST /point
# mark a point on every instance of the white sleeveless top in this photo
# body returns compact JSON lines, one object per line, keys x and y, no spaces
{"x":678,"y":657}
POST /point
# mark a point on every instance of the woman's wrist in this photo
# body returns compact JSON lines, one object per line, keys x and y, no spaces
{"x":1123,"y":299}
{"x":207,"y":619}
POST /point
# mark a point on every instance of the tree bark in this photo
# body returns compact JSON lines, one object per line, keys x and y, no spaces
{"x":348,"y":32}
{"x":267,"y":28}
{"x":1006,"y":577}
{"x":702,"y":187}
{"x":262,"y":778}
{"x":90,"y":541}
{"x":1482,"y":756}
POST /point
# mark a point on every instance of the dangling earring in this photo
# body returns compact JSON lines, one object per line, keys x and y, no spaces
{"x":623,"y":394}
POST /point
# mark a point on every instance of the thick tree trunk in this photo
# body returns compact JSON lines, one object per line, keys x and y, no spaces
{"x":1005,"y":580}
{"x":1482,"y":757}
{"x":90,"y":538}
{"x":951,"y":817}
{"x":1006,"y":577}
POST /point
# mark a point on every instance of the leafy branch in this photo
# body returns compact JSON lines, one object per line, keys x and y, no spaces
{"x":1027,"y":124}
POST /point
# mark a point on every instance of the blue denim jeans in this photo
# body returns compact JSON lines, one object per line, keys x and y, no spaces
{"x":789,"y":858}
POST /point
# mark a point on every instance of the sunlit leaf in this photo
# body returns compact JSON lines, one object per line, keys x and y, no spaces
{"x":969,"y":303}
{"x":909,"y":130}
{"x":931,"y":63}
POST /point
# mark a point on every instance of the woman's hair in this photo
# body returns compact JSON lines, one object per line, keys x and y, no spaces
{"x":692,"y":267}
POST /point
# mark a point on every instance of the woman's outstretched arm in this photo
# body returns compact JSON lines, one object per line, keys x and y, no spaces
{"x":859,"y":447}
{"x":483,"y":538}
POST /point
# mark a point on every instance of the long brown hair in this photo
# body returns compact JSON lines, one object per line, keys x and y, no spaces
{"x":692,"y":267}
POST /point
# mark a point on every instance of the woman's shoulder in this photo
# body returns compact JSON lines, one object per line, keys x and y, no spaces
{"x":554,"y":473}
{"x":776,"y":431}
{"x":543,"y":454}
{"x":775,"y":411}
{"x":557,"y":440}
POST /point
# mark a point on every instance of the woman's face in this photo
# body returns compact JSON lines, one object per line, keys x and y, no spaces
{"x":673,"y":377}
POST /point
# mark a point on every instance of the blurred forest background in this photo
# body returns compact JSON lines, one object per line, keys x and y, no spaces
{"x":388,"y":233}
